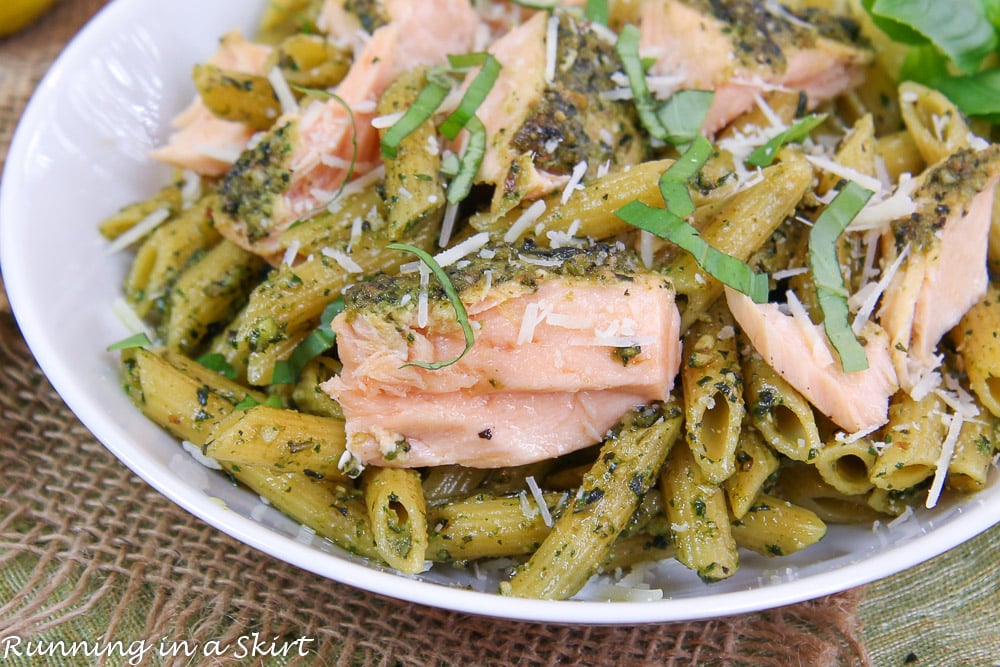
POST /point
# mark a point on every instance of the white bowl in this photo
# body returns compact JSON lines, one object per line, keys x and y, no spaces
{"x":80,"y":153}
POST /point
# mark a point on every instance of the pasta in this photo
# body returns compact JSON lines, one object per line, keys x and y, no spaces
{"x":619,"y":300}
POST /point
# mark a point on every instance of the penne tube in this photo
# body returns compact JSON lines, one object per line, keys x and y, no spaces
{"x":847,"y":466}
{"x":801,"y":484}
{"x":397,"y":514}
{"x":775,"y":527}
{"x":913,"y":440}
{"x":976,"y":340}
{"x":756,"y":464}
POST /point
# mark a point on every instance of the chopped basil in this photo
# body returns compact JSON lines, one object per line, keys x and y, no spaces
{"x":763,"y":156}
{"x":272,"y":401}
{"x":474,"y":95}
{"x":469,"y":163}
{"x":217,"y":362}
{"x":451,"y":293}
{"x":683,"y":115}
{"x":133,"y":341}
{"x":597,"y":11}
{"x":427,"y":102}
{"x":830,"y":289}
{"x":627,"y":47}
{"x":313,"y":345}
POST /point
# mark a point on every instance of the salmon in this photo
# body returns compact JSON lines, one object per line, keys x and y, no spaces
{"x":566,"y":342}
{"x":201,"y":141}
{"x":945,"y":273}
{"x":304,"y":168}
{"x":799,"y":352}
{"x":546,"y":117}
{"x":741,"y":48}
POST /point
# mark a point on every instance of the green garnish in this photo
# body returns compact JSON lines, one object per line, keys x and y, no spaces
{"x":427,"y":102}
{"x":683,"y":114}
{"x":763,"y":156}
{"x":830,"y":289}
{"x":597,"y":11}
{"x":468,"y":166}
{"x":316,"y":343}
{"x":214,"y":361}
{"x":670,"y":225}
{"x":474,"y":94}
{"x":133,"y":341}
{"x":451,"y":293}
{"x":537,"y":4}
{"x":965,"y":33}
{"x":273,"y":401}
{"x":627,"y":48}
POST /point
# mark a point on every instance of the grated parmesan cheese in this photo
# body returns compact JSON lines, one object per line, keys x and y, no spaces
{"x":536,"y":493}
{"x":463,"y":249}
{"x":138,"y":230}
{"x":425,"y":274}
{"x":191,"y":190}
{"x":837,"y":169}
{"x":551,"y":48}
{"x":291,"y":252}
{"x":447,"y":224}
{"x":574,"y":180}
{"x":343,"y":259}
{"x":281,"y":90}
{"x":869,"y":295}
{"x":387,"y":120}
{"x":526,"y":220}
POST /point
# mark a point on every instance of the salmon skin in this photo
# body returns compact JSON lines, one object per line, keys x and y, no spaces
{"x":741,"y":48}
{"x":945,"y":273}
{"x":566,"y":341}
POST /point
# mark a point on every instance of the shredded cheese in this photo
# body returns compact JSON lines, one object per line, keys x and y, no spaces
{"x":579,"y":169}
{"x":291,"y":252}
{"x":343,"y":259}
{"x":536,"y":493}
{"x":281,"y":90}
{"x":387,"y":120}
{"x":139,"y":230}
{"x":526,"y":220}
{"x":551,"y":48}
{"x":837,"y":169}
{"x":447,"y":225}
{"x":463,"y":249}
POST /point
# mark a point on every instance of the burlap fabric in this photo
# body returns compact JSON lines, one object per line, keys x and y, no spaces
{"x":90,"y":552}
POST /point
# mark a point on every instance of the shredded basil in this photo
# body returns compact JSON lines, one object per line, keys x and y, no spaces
{"x":469,"y":163}
{"x":214,"y":361}
{"x":272,"y":401}
{"x":474,"y":95}
{"x":627,"y":48}
{"x":830,"y":289}
{"x":537,"y":4}
{"x":683,"y":115}
{"x":451,"y":293}
{"x":133,"y":341}
{"x":427,"y":102}
{"x":597,"y":11}
{"x":674,"y":181}
{"x":316,"y":343}
{"x":763,"y":156}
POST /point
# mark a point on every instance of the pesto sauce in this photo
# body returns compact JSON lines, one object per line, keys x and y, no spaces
{"x":259,"y":176}
{"x":383,"y":294}
{"x":574,"y":122}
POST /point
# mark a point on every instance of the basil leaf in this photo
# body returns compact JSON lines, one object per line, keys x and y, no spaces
{"x":719,"y":265}
{"x":273,"y":401}
{"x":456,"y":302}
{"x":683,"y":115}
{"x":469,"y":163}
{"x":214,"y":361}
{"x":673,"y":181}
{"x":597,"y":11}
{"x":133,"y":341}
{"x":427,"y":102}
{"x":316,"y":343}
{"x":976,"y":94}
{"x":763,"y":156}
{"x":474,"y":95}
{"x":627,"y":48}
{"x":831,"y":291}
{"x":959,"y":28}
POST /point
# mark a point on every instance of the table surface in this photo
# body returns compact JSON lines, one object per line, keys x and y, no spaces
{"x":90,"y":552}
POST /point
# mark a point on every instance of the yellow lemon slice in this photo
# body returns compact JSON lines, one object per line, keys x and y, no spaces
{"x":16,"y":14}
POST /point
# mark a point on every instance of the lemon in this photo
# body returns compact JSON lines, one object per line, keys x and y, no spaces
{"x":16,"y":14}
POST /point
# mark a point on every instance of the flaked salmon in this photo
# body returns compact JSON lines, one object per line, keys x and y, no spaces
{"x":741,"y":48}
{"x":566,"y":342}
{"x":550,"y":110}
{"x":201,"y":141}
{"x":798,"y":350}
{"x":304,"y":160}
{"x":945,"y":272}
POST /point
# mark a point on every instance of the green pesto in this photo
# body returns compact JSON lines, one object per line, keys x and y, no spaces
{"x":573,"y":116}
{"x":371,"y":13}
{"x":382,"y":294}
{"x":947,"y":190}
{"x":760,"y":37}
{"x":258,"y":177}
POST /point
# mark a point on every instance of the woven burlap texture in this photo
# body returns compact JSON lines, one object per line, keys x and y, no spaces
{"x":88,"y":551}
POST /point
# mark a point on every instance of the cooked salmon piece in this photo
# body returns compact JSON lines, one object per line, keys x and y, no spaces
{"x":550,"y":110}
{"x":201,"y":141}
{"x":740,"y":48}
{"x":798,"y":350}
{"x":309,"y":153}
{"x":945,"y":273}
{"x":566,"y":342}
